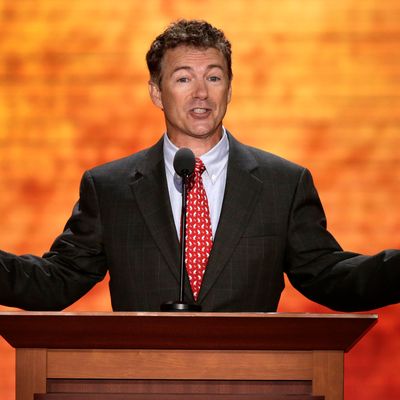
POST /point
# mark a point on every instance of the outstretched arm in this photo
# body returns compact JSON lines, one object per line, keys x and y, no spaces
{"x":319,"y":269}
{"x":74,"y":264}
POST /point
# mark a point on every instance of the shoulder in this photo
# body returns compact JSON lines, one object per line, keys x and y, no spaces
{"x":107,"y":177}
{"x":126,"y":167}
{"x":119,"y":166}
{"x":263,"y":161}
{"x":267,"y":159}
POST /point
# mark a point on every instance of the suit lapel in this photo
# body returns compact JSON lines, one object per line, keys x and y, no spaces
{"x":241,"y":192}
{"x":149,"y":186}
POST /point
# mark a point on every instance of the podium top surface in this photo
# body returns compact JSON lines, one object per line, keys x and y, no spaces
{"x":207,"y":331}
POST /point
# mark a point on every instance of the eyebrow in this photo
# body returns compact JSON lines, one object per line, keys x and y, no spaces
{"x":187,"y":68}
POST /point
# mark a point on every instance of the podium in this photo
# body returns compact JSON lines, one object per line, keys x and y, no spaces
{"x":165,"y":356}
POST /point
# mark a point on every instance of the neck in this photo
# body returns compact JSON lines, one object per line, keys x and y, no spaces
{"x":199,"y":145}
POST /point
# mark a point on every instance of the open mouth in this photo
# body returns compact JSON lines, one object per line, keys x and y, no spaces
{"x":200,"y":112}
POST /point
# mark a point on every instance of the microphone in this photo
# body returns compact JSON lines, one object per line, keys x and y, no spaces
{"x":184,"y":162}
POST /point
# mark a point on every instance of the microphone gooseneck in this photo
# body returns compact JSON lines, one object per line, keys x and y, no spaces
{"x":184,"y":163}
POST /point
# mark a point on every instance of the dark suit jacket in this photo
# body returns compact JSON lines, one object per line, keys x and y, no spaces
{"x":271,"y":223}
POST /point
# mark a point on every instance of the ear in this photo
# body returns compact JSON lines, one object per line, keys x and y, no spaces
{"x":229,"y":93}
{"x":155,"y":95}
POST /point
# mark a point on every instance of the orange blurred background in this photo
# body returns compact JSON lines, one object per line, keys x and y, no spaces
{"x":317,"y":82}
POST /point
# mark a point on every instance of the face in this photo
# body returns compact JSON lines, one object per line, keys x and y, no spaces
{"x":194,"y":93}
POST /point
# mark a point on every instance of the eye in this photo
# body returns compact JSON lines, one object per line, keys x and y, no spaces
{"x":183,"y":80}
{"x":214,"y":78}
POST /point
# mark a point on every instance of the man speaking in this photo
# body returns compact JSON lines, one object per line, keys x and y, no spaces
{"x":251,"y":216}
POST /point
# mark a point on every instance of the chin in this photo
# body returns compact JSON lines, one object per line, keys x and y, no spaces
{"x":204,"y":134}
{"x":206,"y":131}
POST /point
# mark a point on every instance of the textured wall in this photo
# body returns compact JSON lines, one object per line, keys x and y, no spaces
{"x":315,"y":81}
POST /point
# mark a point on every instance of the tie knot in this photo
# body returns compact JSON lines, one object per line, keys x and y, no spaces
{"x":199,"y":167}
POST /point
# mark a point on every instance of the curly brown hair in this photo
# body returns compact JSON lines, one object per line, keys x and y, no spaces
{"x":192,"y":33}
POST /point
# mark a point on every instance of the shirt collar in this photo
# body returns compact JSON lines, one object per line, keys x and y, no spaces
{"x":214,"y":160}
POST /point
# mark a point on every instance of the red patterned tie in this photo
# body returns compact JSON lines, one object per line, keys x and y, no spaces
{"x":198,"y":229}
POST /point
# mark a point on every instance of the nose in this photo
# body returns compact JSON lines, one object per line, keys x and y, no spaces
{"x":200,"y":90}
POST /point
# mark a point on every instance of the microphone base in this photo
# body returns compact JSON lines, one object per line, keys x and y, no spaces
{"x":177,"y":306}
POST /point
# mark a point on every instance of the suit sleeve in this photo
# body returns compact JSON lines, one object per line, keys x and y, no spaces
{"x":319,"y":269}
{"x":74,"y":264}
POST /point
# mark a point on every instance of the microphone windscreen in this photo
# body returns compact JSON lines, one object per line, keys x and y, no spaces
{"x":184,"y":162}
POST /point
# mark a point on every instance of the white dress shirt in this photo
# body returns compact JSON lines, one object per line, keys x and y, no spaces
{"x":214,"y":179}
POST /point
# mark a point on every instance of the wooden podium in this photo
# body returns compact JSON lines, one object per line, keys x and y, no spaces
{"x":165,"y":356}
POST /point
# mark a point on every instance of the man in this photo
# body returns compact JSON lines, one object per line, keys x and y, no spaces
{"x":265,"y":215}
